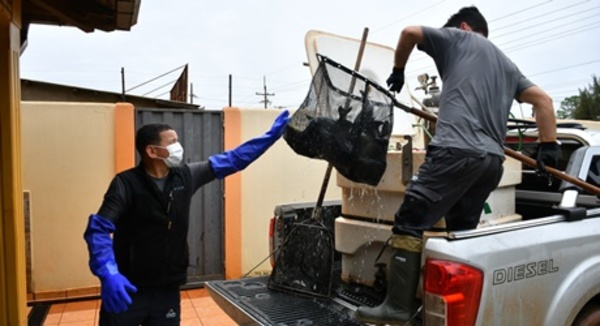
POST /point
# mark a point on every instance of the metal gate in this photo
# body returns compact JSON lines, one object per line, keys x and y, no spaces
{"x":201,"y":135}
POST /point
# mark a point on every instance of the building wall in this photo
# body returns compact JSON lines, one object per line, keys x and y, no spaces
{"x":71,"y":151}
{"x":70,"y":155}
{"x":39,"y":91}
{"x":12,"y":244}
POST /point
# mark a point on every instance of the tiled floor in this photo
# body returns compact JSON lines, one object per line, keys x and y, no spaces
{"x":197,"y":308}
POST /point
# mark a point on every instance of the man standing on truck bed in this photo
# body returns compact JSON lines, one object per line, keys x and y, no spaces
{"x":147,"y":208}
{"x":463,"y":164}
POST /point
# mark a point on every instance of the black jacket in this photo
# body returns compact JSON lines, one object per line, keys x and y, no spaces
{"x":150,"y":241}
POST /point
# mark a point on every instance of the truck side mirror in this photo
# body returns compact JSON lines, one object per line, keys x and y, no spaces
{"x":584,"y":164}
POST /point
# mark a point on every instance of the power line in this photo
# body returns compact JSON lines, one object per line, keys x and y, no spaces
{"x":558,"y":69}
{"x":155,"y":78}
{"x":550,"y":38}
{"x":161,"y":94}
{"x":516,"y":47}
{"x":555,"y":20}
{"x":209,"y":99}
{"x":537,"y":34}
{"x":423,"y":57}
{"x":440,"y":2}
{"x":291,"y":85}
{"x":406,"y":17}
{"x":562,"y":84}
{"x":542,"y":15}
{"x":565,"y":68}
{"x":162,"y":86}
{"x":520,"y":46}
{"x":518,"y":11}
{"x":290,"y":90}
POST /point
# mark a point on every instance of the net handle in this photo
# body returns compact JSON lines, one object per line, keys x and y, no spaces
{"x":514,"y":154}
{"x":361,"y":50}
{"x":433,"y":118}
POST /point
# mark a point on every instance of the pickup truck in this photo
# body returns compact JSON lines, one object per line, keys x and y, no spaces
{"x":533,"y":260}
{"x":542,"y":268}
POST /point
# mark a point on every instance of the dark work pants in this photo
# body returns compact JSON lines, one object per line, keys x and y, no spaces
{"x":451,"y":183}
{"x":149,"y":308}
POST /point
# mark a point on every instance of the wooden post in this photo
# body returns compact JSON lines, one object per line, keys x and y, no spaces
{"x":13,"y":291}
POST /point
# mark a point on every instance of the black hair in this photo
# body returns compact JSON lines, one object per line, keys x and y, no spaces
{"x":149,"y":135}
{"x":471,"y":16}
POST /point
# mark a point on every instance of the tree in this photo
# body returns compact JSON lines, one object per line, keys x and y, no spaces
{"x":585,"y":106}
{"x":568,"y":107}
{"x":589,"y":105}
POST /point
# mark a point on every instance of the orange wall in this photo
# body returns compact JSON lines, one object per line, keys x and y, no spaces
{"x":233,"y":184}
{"x":124,"y":136}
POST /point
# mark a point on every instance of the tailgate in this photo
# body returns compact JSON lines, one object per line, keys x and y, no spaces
{"x":249,"y":302}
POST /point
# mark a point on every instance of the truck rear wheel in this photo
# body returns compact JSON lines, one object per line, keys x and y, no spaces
{"x":590,"y":315}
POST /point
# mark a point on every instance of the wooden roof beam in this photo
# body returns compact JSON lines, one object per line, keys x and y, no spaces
{"x":62,"y":14}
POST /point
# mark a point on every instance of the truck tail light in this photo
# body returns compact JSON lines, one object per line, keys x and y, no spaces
{"x":271,"y":240}
{"x":452,"y":293}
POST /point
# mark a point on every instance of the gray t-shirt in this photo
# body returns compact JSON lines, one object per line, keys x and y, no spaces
{"x":479,"y":85}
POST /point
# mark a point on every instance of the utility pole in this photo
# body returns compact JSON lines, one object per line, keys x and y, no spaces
{"x":265,"y":94}
{"x":230,"y":89}
{"x":192,"y":93}
{"x":123,"y":84}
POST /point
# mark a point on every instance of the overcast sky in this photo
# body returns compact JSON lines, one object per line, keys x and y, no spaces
{"x":554,"y":42}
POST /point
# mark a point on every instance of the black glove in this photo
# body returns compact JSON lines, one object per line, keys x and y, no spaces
{"x":547,"y":155}
{"x":396,"y":80}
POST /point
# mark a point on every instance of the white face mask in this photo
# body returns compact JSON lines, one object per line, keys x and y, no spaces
{"x":175,"y":155}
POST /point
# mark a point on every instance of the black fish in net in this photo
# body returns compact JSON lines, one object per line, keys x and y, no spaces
{"x":304,"y":264}
{"x":351,"y":131}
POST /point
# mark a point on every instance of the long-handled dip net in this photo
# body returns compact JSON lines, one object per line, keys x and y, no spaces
{"x":349,"y":130}
{"x":346,"y":119}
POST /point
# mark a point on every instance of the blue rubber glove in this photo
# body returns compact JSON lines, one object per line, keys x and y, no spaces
{"x":115,"y":286}
{"x":239,"y":158}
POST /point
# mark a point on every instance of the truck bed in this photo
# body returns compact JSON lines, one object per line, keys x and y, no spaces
{"x":546,"y":262}
{"x":249,"y":302}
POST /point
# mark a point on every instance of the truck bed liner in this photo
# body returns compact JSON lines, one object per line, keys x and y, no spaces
{"x":249,"y":302}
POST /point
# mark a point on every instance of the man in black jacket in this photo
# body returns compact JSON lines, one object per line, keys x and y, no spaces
{"x":146,"y":208}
